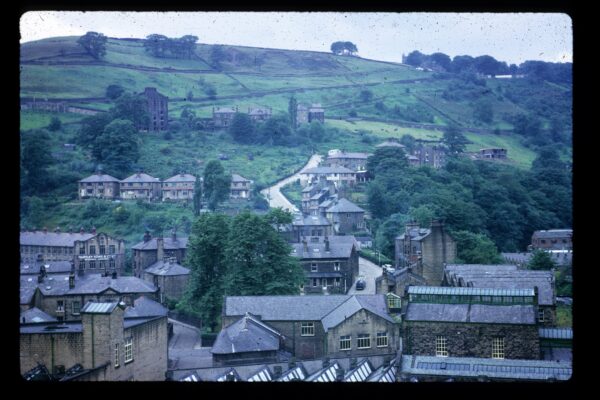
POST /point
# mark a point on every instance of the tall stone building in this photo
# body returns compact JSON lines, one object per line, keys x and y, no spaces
{"x":99,"y":254}
{"x":240,"y":187}
{"x":169,"y":277}
{"x":222,"y":116}
{"x":345,"y":216}
{"x":433,"y":155}
{"x":425,"y":251}
{"x":151,"y":250}
{"x":158,"y":110}
{"x":52,"y":246}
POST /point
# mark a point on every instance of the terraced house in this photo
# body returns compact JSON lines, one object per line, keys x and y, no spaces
{"x":240,"y":187}
{"x":140,"y":186}
{"x":179,"y":187}
{"x":100,"y":186}
{"x":336,"y":175}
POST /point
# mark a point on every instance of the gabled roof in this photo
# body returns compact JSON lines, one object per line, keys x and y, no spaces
{"x":168,"y":244}
{"x":361,"y":373}
{"x":99,"y":178}
{"x":58,"y":285}
{"x":385,"y":373}
{"x":262,"y":375}
{"x":339,"y":247}
{"x":311,"y":220}
{"x":61,"y":239}
{"x":239,"y":178}
{"x":345,"y":206}
{"x":374,"y":303}
{"x":98,"y":307}
{"x":51,"y":267}
{"x":296,"y":373}
{"x":553,"y":233}
{"x":35,"y":315}
{"x":167,"y":268}
{"x":361,"y":156}
{"x":181,"y":178}
{"x":145,"y":307}
{"x":471,"y":313}
{"x":140,"y":177}
{"x":328,"y":170}
{"x":248,"y":334}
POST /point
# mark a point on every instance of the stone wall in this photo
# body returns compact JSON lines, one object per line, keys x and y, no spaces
{"x":50,"y":349}
{"x":150,"y":351}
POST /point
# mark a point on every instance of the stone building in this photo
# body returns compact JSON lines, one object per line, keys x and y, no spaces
{"x":471,"y":322}
{"x":100,"y":253}
{"x":222,"y":116}
{"x":158,"y":110}
{"x":107,"y":343}
{"x":432,"y":155}
{"x":556,"y":344}
{"x":314,"y":195}
{"x":151,"y":250}
{"x":508,"y":277}
{"x":336,"y":175}
{"x":169,"y":277}
{"x":318,"y":326}
{"x":553,"y":239}
{"x":100,"y":186}
{"x":330,"y":263}
{"x":62,"y":295}
{"x":346,"y":217}
{"x":240,"y":187}
{"x":306,"y":114}
{"x":310,"y":225}
{"x":179,"y":187}
{"x":353,"y":161}
{"x":397,"y":281}
{"x":52,"y":246}
{"x":140,"y":186}
{"x":492,"y":153}
{"x":260,"y":114}
{"x":425,"y":251}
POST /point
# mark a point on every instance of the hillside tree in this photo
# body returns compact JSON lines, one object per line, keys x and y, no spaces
{"x":131,"y":107}
{"x":94,"y":44}
{"x":242,"y":129}
{"x":216,"y":184}
{"x":114,"y":91}
{"x":117,"y":147}
{"x":541,"y":260}
{"x":454,"y":140}
{"x":474,"y":248}
{"x":197,"y":200}
{"x":293,"y":112}
{"x":35,"y":160}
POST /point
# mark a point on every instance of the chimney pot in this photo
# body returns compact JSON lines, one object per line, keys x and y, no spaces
{"x":114,"y":275}
{"x":45,"y":230}
{"x":94,"y":230}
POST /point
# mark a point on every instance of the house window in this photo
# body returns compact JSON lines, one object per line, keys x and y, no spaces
{"x":102,"y":249}
{"x":314,"y":282}
{"x":111,"y":249}
{"x":541,"y":315}
{"x":82,"y":251}
{"x":313,"y":267}
{"x":441,"y":346}
{"x":92,"y":264}
{"x":116,"y":355}
{"x":307,"y":329}
{"x":345,"y":343}
{"x":382,"y":339}
{"x":103,"y":265}
{"x":60,"y":306}
{"x":92,"y":249}
{"x":364,"y":341}
{"x":76,"y":307}
{"x":394,"y":301}
{"x":129,"y":349}
{"x":336,"y":266}
{"x":498,"y":347}
{"x":337,"y":282}
{"x":111,"y":263}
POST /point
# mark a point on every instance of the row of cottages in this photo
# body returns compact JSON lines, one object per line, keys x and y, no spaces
{"x":222,"y":116}
{"x":91,"y":252}
{"x":110,"y":342}
{"x":338,"y":176}
{"x":146,"y":187}
{"x":306,"y":114}
{"x":354,"y":161}
{"x":330,"y":263}
{"x":307,"y":327}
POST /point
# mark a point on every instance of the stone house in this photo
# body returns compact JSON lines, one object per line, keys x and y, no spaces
{"x":318,"y":326}
{"x":179,"y":187}
{"x":240,"y":187}
{"x":397,"y":281}
{"x":108,"y":344}
{"x":471,"y":322}
{"x":430,"y":154}
{"x":346,"y":217}
{"x":169,"y":277}
{"x":259,"y":114}
{"x":100,"y":253}
{"x":151,"y":250}
{"x":222,"y":116}
{"x":157,"y":106}
{"x":508,"y":277}
{"x":492,"y":153}
{"x":52,"y":246}
{"x":99,"y":186}
{"x":330,"y":263}
{"x":140,"y":186}
{"x":316,"y":112}
{"x":425,"y":251}
{"x":353,"y":161}
{"x":553,"y":239}
{"x":310,"y":225}
{"x":336,"y":175}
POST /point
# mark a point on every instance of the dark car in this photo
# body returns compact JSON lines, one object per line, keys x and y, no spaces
{"x":360,"y":284}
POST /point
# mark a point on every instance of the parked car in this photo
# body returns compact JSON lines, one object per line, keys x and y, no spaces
{"x":361,"y":284}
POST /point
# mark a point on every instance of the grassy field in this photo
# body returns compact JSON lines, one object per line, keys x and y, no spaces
{"x":31,"y":119}
{"x":564,"y":316}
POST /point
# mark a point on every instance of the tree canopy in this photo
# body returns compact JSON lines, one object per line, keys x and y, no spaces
{"x":117,"y":147}
{"x":164,"y":47}
{"x":343,"y":48}
{"x":216,"y":183}
{"x":94,"y":44}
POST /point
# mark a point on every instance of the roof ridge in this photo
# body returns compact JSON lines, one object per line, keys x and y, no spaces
{"x":350,"y":296}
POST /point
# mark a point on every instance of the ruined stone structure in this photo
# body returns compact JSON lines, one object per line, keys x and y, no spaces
{"x":158,"y":110}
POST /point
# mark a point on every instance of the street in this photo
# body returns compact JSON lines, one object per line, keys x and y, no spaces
{"x":185,"y":349}
{"x":370,"y":271}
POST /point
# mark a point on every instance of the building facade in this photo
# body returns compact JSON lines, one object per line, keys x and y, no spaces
{"x":259,"y":114}
{"x":430,"y":154}
{"x":150,"y":250}
{"x":493,"y":153}
{"x":222,"y":116}
{"x":336,"y":175}
{"x":140,"y":186}
{"x":169,"y":277}
{"x":240,"y":187}
{"x":553,"y":239}
{"x":52,"y":246}
{"x":100,"y":186}
{"x":157,"y":106}
{"x":100,"y":253}
{"x":346,"y":217}
{"x":179,"y":187}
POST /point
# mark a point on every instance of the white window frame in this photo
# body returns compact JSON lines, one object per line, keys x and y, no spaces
{"x":382,"y":339}
{"x":441,"y":346}
{"x":78,"y":307}
{"x":314,"y":267}
{"x":498,"y":348}
{"x":336,"y":266}
{"x":128,"y":349}
{"x":346,"y":343}
{"x":117,"y":358}
{"x":307,"y":329}
{"x":362,"y":338}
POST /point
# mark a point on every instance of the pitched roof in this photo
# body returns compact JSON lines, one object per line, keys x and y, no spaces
{"x":99,"y":178}
{"x":374,"y":303}
{"x":181,"y":178}
{"x":27,"y":288}
{"x":168,"y":244}
{"x":310,"y":220}
{"x":58,"y":285}
{"x":92,"y":307}
{"x":167,"y":268}
{"x":247,"y":334}
{"x":145,"y":307}
{"x":473,"y":313}
{"x":339,"y":247}
{"x":140,"y":177}
{"x":239,"y":178}
{"x":385,"y":373}
{"x":51,"y":327}
{"x":262,"y":375}
{"x":51,"y":267}
{"x":328,"y":170}
{"x":489,"y":367}
{"x":553,"y":233}
{"x":60,"y":239}
{"x":345,"y":206}
{"x":362,"y":156}
{"x":35,"y":315}
{"x":327,"y":374}
{"x":296,"y":373}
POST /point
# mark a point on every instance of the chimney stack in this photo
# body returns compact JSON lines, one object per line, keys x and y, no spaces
{"x":72,"y":280}
{"x":147,"y":236}
{"x":81,"y":230}
{"x":160,"y":249}
{"x":93,"y":230}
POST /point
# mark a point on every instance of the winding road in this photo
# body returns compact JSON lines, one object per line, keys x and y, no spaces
{"x":273,"y":193}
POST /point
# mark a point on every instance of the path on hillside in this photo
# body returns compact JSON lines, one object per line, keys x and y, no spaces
{"x":273,"y":193}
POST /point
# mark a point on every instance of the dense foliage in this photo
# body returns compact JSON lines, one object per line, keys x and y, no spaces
{"x":164,"y":47}
{"x":94,"y":44}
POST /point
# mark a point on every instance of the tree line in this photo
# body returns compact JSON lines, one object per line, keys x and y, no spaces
{"x":164,"y":47}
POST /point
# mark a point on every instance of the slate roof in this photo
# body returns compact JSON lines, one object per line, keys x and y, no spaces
{"x":328,"y":170}
{"x":345,"y":206}
{"x":168,"y":244}
{"x":311,"y":220}
{"x":92,"y":307}
{"x":480,"y":267}
{"x":27,"y":288}
{"x":58,"y":285}
{"x":468,"y":291}
{"x":552,"y":233}
{"x":556,"y":333}
{"x":359,"y":374}
{"x":167,"y":268}
{"x":181,"y":178}
{"x":400,"y":274}
{"x":473,"y":313}
{"x":296,"y":373}
{"x":61,"y":239}
{"x":238,"y":178}
{"x":51,"y":327}
{"x":339,"y":247}
{"x":384,"y":373}
{"x":51,"y":267}
{"x":361,"y":156}
{"x":330,"y":310}
{"x":99,"y":178}
{"x":492,"y":368}
{"x":35,"y":315}
{"x":141,"y":177}
{"x":247,"y":334}
{"x":145,"y":307}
